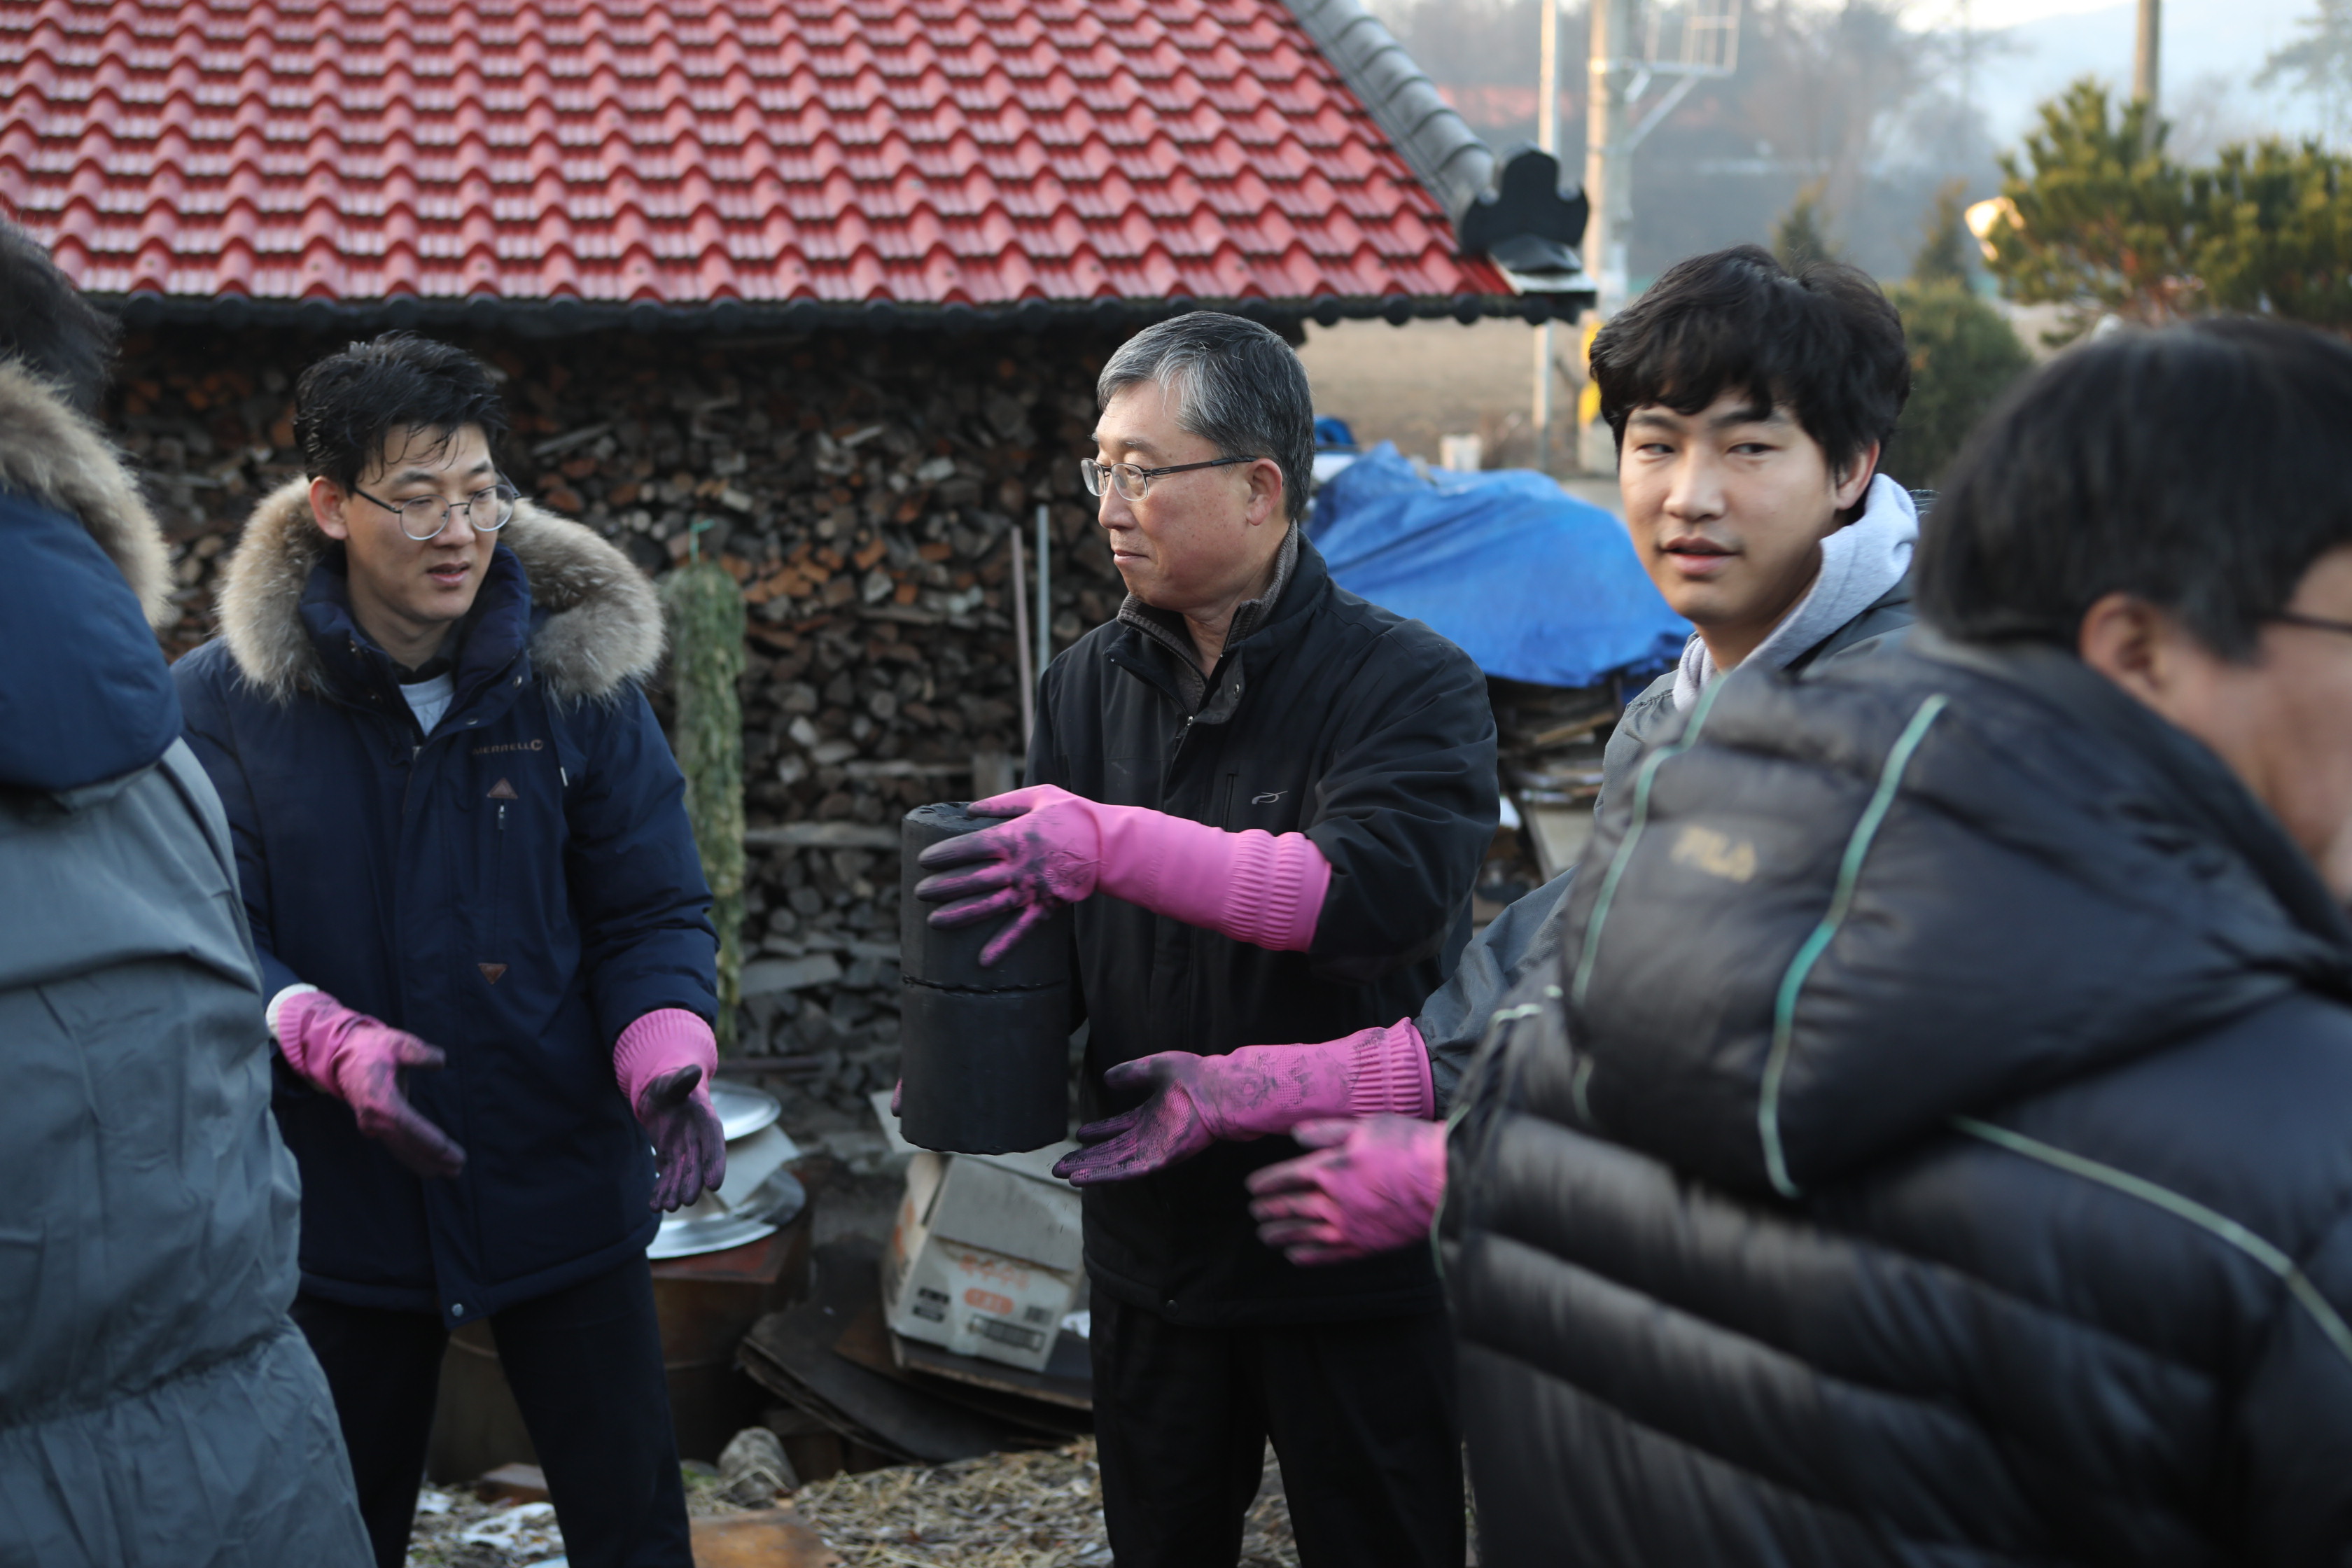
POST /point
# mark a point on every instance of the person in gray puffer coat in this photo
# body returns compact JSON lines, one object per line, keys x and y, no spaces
{"x":1931,"y":1146}
{"x":158,"y":1407}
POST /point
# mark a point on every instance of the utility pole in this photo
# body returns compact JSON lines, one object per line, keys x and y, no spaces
{"x":1547,"y":139}
{"x":2148,"y":66}
{"x":1608,"y":152}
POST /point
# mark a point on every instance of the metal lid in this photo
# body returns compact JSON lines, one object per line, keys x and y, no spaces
{"x":744,"y":1110}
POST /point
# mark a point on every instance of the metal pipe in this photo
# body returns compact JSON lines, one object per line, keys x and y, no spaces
{"x":1608,"y":155}
{"x":1045,"y":590}
{"x":1021,"y":645}
{"x":2147,"y":63}
{"x":1546,"y":139}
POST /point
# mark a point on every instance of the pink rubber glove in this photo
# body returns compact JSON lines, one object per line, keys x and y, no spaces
{"x":665,"y":1062}
{"x":1259,"y":1090}
{"x":359,"y":1060}
{"x":1369,"y":1186}
{"x":1251,"y":886}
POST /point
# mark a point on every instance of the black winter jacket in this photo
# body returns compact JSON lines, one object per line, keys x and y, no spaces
{"x":1370,"y":733}
{"x":516,"y":887}
{"x":1526,"y":937}
{"x":1931,"y":1149}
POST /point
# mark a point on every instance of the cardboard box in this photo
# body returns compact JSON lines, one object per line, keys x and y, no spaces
{"x":985,"y":1257}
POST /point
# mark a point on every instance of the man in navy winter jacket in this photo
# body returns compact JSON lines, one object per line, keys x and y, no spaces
{"x":482,"y":928}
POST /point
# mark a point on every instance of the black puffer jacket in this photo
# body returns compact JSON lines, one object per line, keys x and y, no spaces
{"x":1526,"y":937}
{"x":1935,"y":1147}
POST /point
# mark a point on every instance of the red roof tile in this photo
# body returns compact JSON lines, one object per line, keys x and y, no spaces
{"x":842,"y":151}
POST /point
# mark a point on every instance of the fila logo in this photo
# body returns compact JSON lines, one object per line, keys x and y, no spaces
{"x":1715,"y":854}
{"x":1269,"y":798}
{"x":502,"y":791}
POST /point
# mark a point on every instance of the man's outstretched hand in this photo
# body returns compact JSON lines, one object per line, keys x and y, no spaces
{"x":1049,"y":855}
{"x":359,"y":1060}
{"x":1372,"y":1184}
{"x":1192,"y":1100}
{"x":1172,"y":1125}
{"x":664,"y":1063}
{"x":690,"y":1143}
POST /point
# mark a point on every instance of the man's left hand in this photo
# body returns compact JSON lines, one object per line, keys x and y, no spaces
{"x":1175,"y":1124}
{"x":665,"y":1062}
{"x":1372,"y":1184}
{"x":689,"y":1145}
{"x":1048,"y":855}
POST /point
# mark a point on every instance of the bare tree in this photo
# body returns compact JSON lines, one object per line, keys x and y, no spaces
{"x":2319,"y":64}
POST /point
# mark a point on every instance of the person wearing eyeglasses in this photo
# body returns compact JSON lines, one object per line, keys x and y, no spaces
{"x":483,"y":931}
{"x":1267,"y":800}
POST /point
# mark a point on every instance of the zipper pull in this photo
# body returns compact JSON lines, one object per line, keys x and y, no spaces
{"x":502,"y":816}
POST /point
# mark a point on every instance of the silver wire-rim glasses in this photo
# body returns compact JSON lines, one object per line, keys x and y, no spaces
{"x":1133,"y":482}
{"x":432,"y":514}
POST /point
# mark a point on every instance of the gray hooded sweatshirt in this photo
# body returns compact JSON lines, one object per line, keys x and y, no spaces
{"x":1861,"y":595}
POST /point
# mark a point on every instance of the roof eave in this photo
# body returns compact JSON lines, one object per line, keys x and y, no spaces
{"x":1516,"y":299}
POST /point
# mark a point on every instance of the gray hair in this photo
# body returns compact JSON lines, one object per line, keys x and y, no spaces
{"x":1236,"y":384}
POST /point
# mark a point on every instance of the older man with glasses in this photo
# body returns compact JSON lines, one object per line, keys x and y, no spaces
{"x":1286,"y":793}
{"x":482,"y":929}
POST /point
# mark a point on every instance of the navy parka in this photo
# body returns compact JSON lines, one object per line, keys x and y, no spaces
{"x":515,"y":888}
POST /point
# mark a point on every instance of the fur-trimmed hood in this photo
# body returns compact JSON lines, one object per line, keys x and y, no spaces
{"x":51,"y":455}
{"x":605,"y":625}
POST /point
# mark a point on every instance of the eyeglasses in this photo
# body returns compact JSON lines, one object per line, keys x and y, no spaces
{"x":1135,"y":483}
{"x":2317,"y":622}
{"x":487,"y":512}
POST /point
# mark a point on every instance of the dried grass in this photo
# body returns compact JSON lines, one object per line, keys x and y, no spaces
{"x":1040,"y":1509}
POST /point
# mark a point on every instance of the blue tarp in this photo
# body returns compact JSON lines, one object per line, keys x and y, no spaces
{"x":1532,"y":583}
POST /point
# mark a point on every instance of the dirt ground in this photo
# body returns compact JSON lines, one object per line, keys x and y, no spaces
{"x":1414,"y":383}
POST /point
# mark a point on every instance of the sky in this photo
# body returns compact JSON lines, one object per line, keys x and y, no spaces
{"x":2213,"y":50}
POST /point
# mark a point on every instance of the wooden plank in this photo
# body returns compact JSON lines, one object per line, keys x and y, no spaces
{"x":822,"y":835}
{"x":870,"y":1345}
{"x":752,"y":1066}
{"x":1067,"y":1380}
{"x":772,"y":1538}
{"x":790,"y":1354}
{"x":1561,"y":834}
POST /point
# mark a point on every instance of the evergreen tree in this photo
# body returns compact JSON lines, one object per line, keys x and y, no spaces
{"x":1801,"y":235}
{"x":2103,"y":222}
{"x":1964,"y":353}
{"x":1948,"y":253}
{"x":2275,"y":233}
{"x":2098,"y":216}
{"x":705,"y":611}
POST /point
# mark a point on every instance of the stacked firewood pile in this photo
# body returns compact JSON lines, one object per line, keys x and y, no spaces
{"x":865,"y":490}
